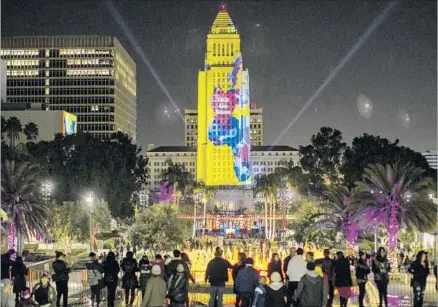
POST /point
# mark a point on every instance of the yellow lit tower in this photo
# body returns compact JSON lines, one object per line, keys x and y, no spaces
{"x":223,"y":109}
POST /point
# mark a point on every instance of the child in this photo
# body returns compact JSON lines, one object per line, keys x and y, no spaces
{"x":43,"y":293}
{"x":27,"y":300}
{"x":260,"y":293}
{"x":276,"y":292}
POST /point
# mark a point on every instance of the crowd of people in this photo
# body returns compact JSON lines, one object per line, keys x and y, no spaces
{"x":299,"y":280}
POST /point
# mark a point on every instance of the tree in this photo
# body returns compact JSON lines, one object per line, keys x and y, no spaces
{"x":13,"y":130}
{"x":158,"y":228}
{"x":394,"y":196}
{"x":335,"y":215}
{"x":177,"y":177}
{"x":31,"y":131}
{"x":296,"y":179}
{"x":322,"y":158}
{"x":21,"y":199}
{"x":3,"y":127}
{"x":69,"y":222}
{"x":369,"y":149}
{"x":304,"y":218}
{"x":101,"y":216}
{"x":268,"y":185}
{"x":113,"y":169}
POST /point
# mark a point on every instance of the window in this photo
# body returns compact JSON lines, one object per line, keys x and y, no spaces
{"x":214,"y":49}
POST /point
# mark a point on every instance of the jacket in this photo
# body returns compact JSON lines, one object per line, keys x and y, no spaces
{"x":327,"y":266}
{"x":296,"y":268}
{"x":275,"y":294}
{"x":44,"y":295}
{"x":94,"y":272}
{"x":362,"y":271}
{"x":155,"y":293}
{"x":236,"y":269}
{"x":178,"y":287}
{"x":111,"y":270}
{"x":61,"y":271}
{"x":7,"y":299}
{"x":285,"y":264}
{"x":381,"y":268}
{"x":217,"y":271}
{"x":343,"y":273}
{"x":275,"y":266}
{"x":419,"y":273}
{"x":145,"y":273}
{"x":18,"y":274}
{"x":6,"y":264}
{"x":259,"y":296}
{"x":310,"y":290}
{"x":247,"y":280}
{"x":129,"y":267}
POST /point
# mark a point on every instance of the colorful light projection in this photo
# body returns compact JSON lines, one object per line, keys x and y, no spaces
{"x":69,"y":123}
{"x":230,"y":125}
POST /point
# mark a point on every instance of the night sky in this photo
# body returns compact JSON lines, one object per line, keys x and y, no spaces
{"x":388,"y":88}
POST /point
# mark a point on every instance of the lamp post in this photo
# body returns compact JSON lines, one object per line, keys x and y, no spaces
{"x":89,"y":200}
{"x":47,"y":190}
{"x":197,"y":198}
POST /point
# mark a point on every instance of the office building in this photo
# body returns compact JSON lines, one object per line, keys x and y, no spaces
{"x":432,"y":158}
{"x":92,"y":77}
{"x":265,"y":160}
{"x":256,"y":126}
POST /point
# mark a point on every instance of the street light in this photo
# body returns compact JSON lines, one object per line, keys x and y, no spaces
{"x":46,"y":190}
{"x":89,"y":200}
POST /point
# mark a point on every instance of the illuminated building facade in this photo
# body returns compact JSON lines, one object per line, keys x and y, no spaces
{"x":223,"y":151}
{"x":92,"y":77}
{"x":256,"y":126}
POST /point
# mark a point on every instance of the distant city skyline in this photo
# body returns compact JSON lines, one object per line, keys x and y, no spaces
{"x":388,"y":88}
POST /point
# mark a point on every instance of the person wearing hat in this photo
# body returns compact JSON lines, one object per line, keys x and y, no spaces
{"x":6,"y":297}
{"x":43,"y":293}
{"x":310,"y":288}
{"x":276,"y":292}
{"x":27,"y":300}
{"x":155,"y":293}
{"x":246,"y":282}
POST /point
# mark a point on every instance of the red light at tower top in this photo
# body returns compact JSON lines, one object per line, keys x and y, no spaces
{"x":223,"y":7}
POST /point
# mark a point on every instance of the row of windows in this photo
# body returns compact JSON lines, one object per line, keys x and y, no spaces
{"x":255,"y":126}
{"x":22,"y":63}
{"x":60,"y":82}
{"x":89,"y":62}
{"x":82,"y":91}
{"x":223,"y":49}
{"x":81,"y":100}
{"x":95,"y":118}
{"x":29,"y":52}
{"x":85,"y":52}
{"x":96,"y":127}
{"x":83,"y":109}
{"x":253,"y":120}
{"x":90,"y":72}
{"x":165,"y":163}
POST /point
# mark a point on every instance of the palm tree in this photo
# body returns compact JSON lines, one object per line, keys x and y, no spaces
{"x":177,"y":177}
{"x":394,"y":196}
{"x":336,"y":216}
{"x":13,"y":130}
{"x":31,"y":131}
{"x":207,"y":192}
{"x":21,"y":199}
{"x":267,"y":185}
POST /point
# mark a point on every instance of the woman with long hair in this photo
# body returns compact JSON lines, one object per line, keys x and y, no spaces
{"x":18,"y":273}
{"x":343,"y":278}
{"x":129,"y":281}
{"x":419,"y":270}
{"x":362,"y":271}
{"x":381,"y":268}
